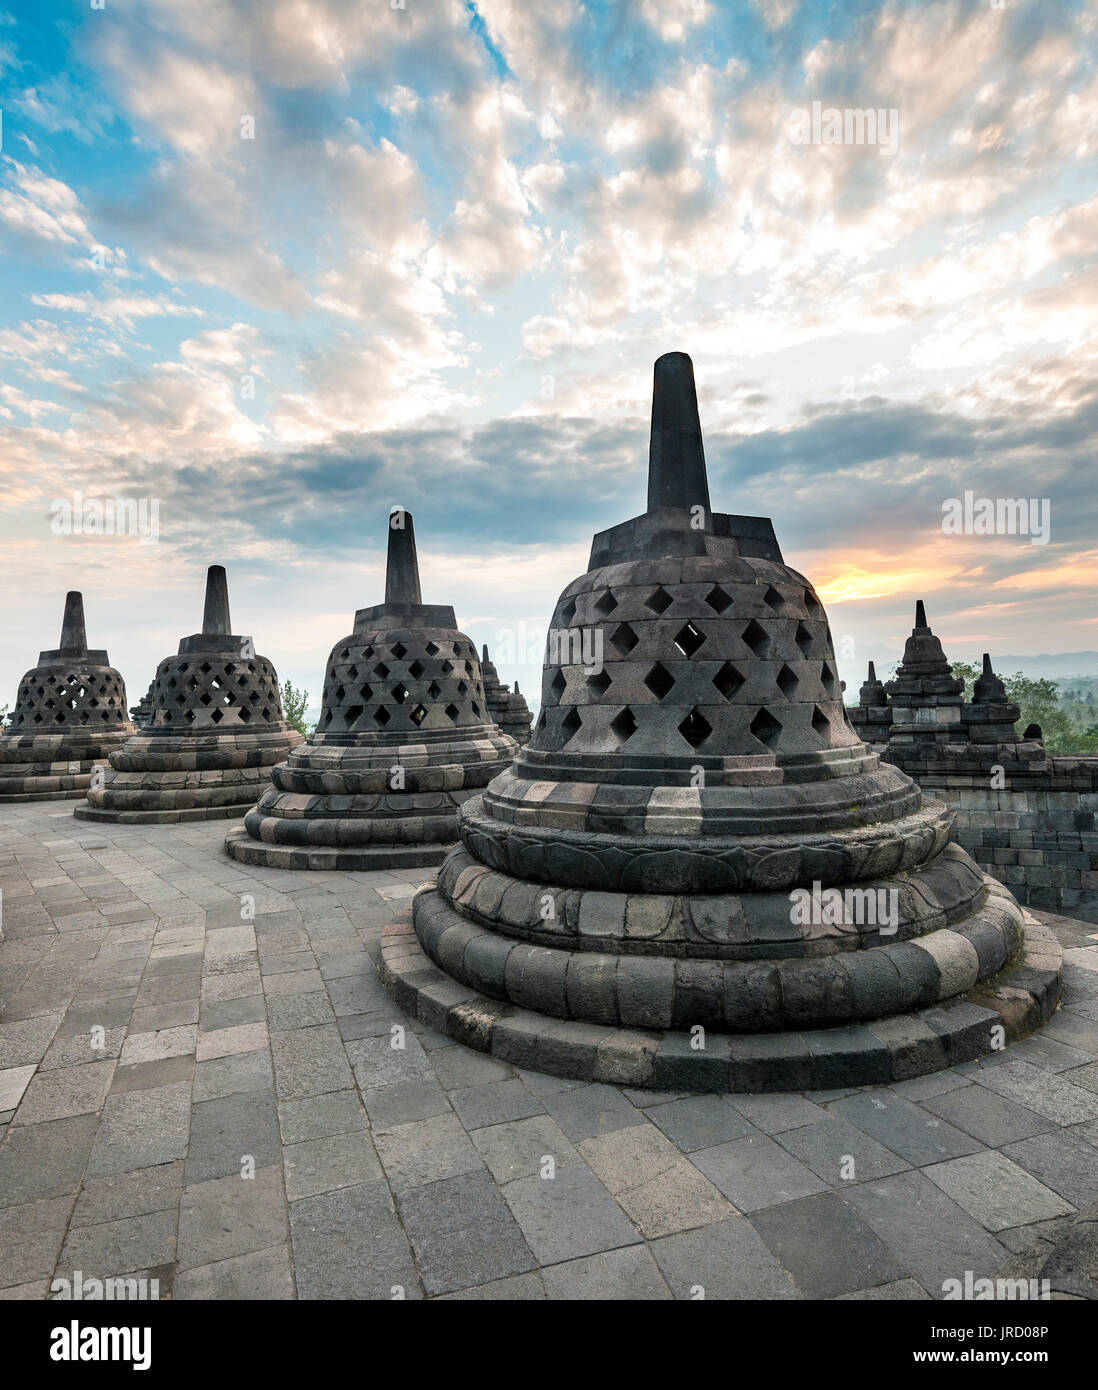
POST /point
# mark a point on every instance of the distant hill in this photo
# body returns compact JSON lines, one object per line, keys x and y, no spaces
{"x":1051,"y":666}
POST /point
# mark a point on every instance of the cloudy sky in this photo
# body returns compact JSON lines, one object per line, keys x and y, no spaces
{"x":439,"y":273}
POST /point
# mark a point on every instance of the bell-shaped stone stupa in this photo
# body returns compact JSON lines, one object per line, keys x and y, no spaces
{"x":507,"y":707}
{"x":696,"y":876}
{"x":69,"y":714}
{"x":216,"y":729}
{"x":404,"y":739}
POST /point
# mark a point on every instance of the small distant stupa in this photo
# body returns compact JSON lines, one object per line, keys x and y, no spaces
{"x":404,"y":738}
{"x":507,"y":707}
{"x":70,"y":712}
{"x":217,"y":727}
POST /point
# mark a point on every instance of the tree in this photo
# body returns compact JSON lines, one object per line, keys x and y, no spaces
{"x":294,"y":704}
{"x":1040,"y":703}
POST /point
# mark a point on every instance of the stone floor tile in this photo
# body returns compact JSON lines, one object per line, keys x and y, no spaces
{"x":989,"y":1117}
{"x":231,"y":1216}
{"x":495,"y":1103}
{"x":586,"y":1110}
{"x":426,"y":1151}
{"x":569,"y":1215}
{"x":141,"y":1128}
{"x":321,"y":1165}
{"x":756,"y":1172}
{"x":727,"y":1260}
{"x":55,"y":1095}
{"x":234,"y":1075}
{"x":839,"y":1153}
{"x":520,"y":1148}
{"x":1064,"y":1160}
{"x":227,"y":1042}
{"x":123,"y":1195}
{"x":904,"y":1127}
{"x":124,"y":1246}
{"x":230,"y":1132}
{"x":997,"y":1192}
{"x":261,"y":1275}
{"x":699,"y":1122}
{"x":624,"y":1274}
{"x":44,"y":1160}
{"x":827,"y":1246}
{"x":318,"y":1117}
{"x":362,"y":1224}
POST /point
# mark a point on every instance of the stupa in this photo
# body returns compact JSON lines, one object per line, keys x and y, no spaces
{"x":506,"y":706}
{"x":695,"y":876}
{"x":70,"y":712}
{"x":142,"y":712}
{"x":216,"y":729}
{"x":404,"y":738}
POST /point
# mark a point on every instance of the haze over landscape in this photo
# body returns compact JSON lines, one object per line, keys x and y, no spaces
{"x":439,"y":273}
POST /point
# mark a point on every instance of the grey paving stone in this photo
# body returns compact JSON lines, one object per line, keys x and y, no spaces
{"x":155,"y":1047}
{"x":997,"y":1192}
{"x":231,"y":1216}
{"x":156,"y":1016}
{"x":124,"y":1246}
{"x":459,"y":1067}
{"x":377,"y":1062}
{"x":321,"y":1165}
{"x":900,"y":1291}
{"x":756,"y":1172}
{"x":1065,"y":1161}
{"x":30,"y":1239}
{"x":727,"y":1260}
{"x":629,"y":1273}
{"x":13,"y":1082}
{"x":299,"y":1011}
{"x":318,"y":1117}
{"x":310,"y":1062}
{"x":46,"y":1160}
{"x":147,"y":1075}
{"x":234,"y":1075}
{"x":655,"y":1185}
{"x":129,"y":1194}
{"x":141,"y":1128}
{"x":418,"y":1098}
{"x":1052,"y":1096}
{"x":699,"y":1122}
{"x":1050,"y":1054}
{"x":987,"y":1116}
{"x":773,"y":1113}
{"x":230,"y":1130}
{"x":24,"y":1043}
{"x":929,"y":1233}
{"x":839,"y":1153}
{"x":83,"y":1047}
{"x":463,"y":1233}
{"x":55,"y":1095}
{"x":426,"y":1151}
{"x":263,"y":1274}
{"x":904,"y":1128}
{"x":228,"y":1042}
{"x":230,"y":1013}
{"x":495,"y":1103}
{"x":519,"y":1148}
{"x":519,"y":1288}
{"x":583,"y":1111}
{"x":569,"y":1215}
{"x":827,"y":1247}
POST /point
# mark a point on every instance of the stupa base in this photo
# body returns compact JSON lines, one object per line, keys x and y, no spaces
{"x":1002,"y":1009}
{"x":168,"y":816}
{"x":240,"y":846}
{"x":61,"y":792}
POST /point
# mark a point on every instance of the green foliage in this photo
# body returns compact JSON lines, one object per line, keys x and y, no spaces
{"x":294,"y":704}
{"x":1066,"y":724}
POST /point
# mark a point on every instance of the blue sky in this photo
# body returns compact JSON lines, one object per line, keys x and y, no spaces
{"x":447,"y":259}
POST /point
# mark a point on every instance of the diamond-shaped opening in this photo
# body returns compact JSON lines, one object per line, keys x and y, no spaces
{"x":352,"y":673}
{"x":660,"y":601}
{"x":216,"y":715}
{"x":803,"y":639}
{"x":766,"y":728}
{"x":688,"y":639}
{"x":623,"y":639}
{"x":463,"y":689}
{"x":255,"y":697}
{"x":205,"y":697}
{"x":340,"y":694}
{"x":345,"y":653}
{"x":381,"y":670}
{"x":245,"y":714}
{"x":757,"y":638}
{"x":431,"y":649}
{"x":812,"y":603}
{"x":568,"y":612}
{"x":434,"y":690}
{"x":418,"y":715}
{"x":695,"y":728}
{"x":452,"y":712}
{"x":59,"y":717}
{"x":399,"y":693}
{"x":659,"y":680}
{"x":227,"y":699}
{"x":205,"y":668}
{"x":475,"y":707}
{"x":598,"y":683}
{"x":415,"y":670}
{"x":382,"y":716}
{"x":366,"y":691}
{"x":189,"y":716}
{"x":181,"y":700}
{"x":355,"y":712}
{"x":772,"y":598}
{"x":215,"y":683}
{"x":541,"y":720}
{"x":399,"y":651}
{"x":447,"y":668}
{"x":787,"y":681}
{"x":605,"y":604}
{"x":821,"y":723}
{"x":558,"y":683}
{"x":624,"y":725}
{"x":571,"y":722}
{"x":827,"y":676}
{"x":718,"y":600}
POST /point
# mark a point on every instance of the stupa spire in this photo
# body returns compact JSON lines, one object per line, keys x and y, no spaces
{"x":402,"y":563}
{"x":74,"y":637}
{"x":676,"y":457}
{"x":920,"y":615}
{"x":215,"y":615}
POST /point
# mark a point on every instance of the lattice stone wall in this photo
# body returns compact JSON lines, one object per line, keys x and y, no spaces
{"x":69,"y":697}
{"x":208,"y":690}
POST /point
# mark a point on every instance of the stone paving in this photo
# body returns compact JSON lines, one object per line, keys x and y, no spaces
{"x":156,"y":1047}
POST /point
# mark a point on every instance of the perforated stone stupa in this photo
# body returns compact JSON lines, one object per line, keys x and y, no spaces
{"x":404,"y":739}
{"x":696,"y":876}
{"x":70,"y":711}
{"x":506,"y":706}
{"x":216,"y":728}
